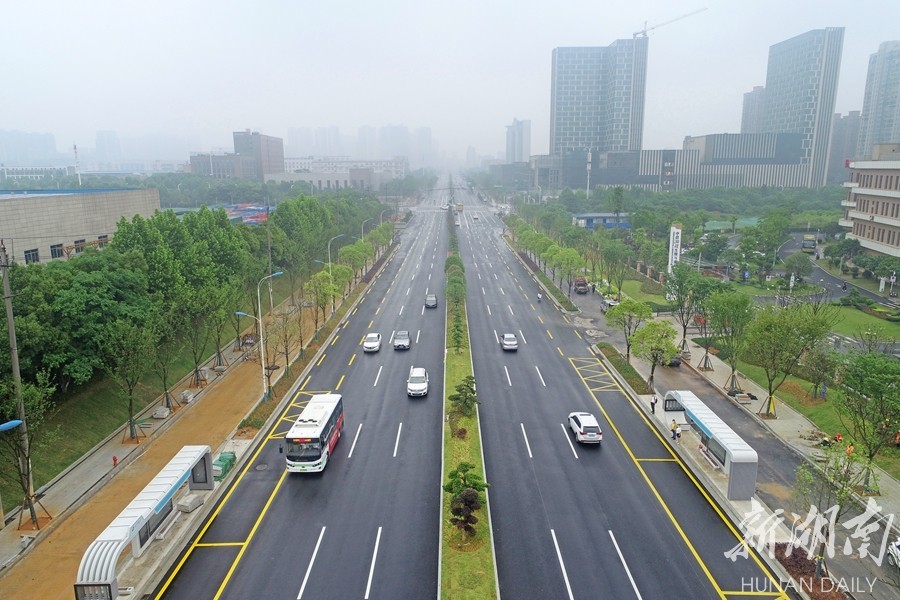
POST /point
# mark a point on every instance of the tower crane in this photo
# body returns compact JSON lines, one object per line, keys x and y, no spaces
{"x":643,"y":32}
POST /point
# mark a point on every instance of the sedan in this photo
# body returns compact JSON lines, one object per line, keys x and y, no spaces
{"x":372,"y":343}
{"x":585,"y":427}
{"x":431,"y":301}
{"x":509,"y":342}
{"x":401,"y":340}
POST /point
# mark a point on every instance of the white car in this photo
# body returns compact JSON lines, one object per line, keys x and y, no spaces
{"x":372,"y":343}
{"x":585,"y":427}
{"x":509,"y":342}
{"x":417,"y":383}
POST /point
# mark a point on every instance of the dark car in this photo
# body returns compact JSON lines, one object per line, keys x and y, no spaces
{"x":431,"y":301}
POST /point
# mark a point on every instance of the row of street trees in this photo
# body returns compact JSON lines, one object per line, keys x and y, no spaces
{"x":167,"y":287}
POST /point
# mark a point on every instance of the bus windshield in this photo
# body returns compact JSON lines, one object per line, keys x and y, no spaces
{"x":306,"y":451}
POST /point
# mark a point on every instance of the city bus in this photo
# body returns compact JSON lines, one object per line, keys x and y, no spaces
{"x":809,"y":243}
{"x":312,"y":438}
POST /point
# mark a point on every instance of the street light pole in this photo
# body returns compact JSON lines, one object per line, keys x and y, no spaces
{"x":361,"y":225}
{"x":340,"y":235}
{"x":381,"y":216}
{"x":262,"y":340}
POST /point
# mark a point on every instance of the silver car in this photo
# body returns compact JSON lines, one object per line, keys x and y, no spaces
{"x":509,"y":342}
{"x":401,"y":340}
{"x":417,"y":383}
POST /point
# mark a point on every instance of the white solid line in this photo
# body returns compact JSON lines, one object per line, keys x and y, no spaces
{"x":538,"y":369}
{"x":568,"y":439}
{"x":508,"y":380}
{"x":489,"y":309}
{"x":624,"y":564}
{"x":496,"y":337}
{"x":527,"y":445}
{"x":510,"y":310}
{"x":311,"y":561}
{"x":397,"y":443}
{"x":355,"y":437}
{"x":372,"y":568}
{"x":401,"y":312}
{"x":377,"y":375}
{"x":522,"y":335}
{"x":418,"y":331}
{"x":562,"y":566}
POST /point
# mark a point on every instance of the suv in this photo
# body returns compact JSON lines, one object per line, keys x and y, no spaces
{"x":401,"y":340}
{"x":417,"y":383}
{"x":430,"y":301}
{"x":585,"y":427}
{"x":509,"y":342}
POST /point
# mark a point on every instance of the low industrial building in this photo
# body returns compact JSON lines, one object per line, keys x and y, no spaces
{"x":872,"y":205}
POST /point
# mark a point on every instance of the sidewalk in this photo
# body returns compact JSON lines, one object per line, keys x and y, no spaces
{"x":790,"y":427}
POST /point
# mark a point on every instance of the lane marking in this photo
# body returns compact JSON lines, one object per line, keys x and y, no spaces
{"x":321,"y":359}
{"x":624,"y":564}
{"x":562,"y":566}
{"x":397,"y":442}
{"x":508,"y":380}
{"x":372,"y":568}
{"x":400,"y":314}
{"x":370,"y":324}
{"x":522,"y":335}
{"x":352,"y":358}
{"x":538,"y":369}
{"x":308,"y":377}
{"x":355,"y":437}
{"x":558,"y":349}
{"x":483,"y":292}
{"x":527,"y":445}
{"x":377,"y":375}
{"x":568,"y":439}
{"x":418,"y":332}
{"x":549,"y":334}
{"x":502,"y":293}
{"x":489,"y":310}
{"x":509,"y":306}
{"x":311,"y":561}
{"x":340,"y":381}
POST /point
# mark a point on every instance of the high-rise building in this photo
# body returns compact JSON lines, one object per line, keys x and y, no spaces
{"x":267,"y":151}
{"x":108,"y":146}
{"x":518,"y":141}
{"x":880,"y":119}
{"x":754,"y":103}
{"x":597,"y":99}
{"x":801,"y":85}
{"x":366,"y":143}
{"x":844,"y":135}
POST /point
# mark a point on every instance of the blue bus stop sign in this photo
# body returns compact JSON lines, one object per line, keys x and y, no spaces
{"x":10,"y":425}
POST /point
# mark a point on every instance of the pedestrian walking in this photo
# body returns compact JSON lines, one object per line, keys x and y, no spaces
{"x":653,"y":405}
{"x":678,"y":434}
{"x":675,"y":428}
{"x":593,"y":288}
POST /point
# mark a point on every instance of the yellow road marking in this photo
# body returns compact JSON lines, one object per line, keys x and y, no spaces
{"x":566,"y":319}
{"x":377,"y":310}
{"x":220,"y":545}
{"x":558,"y":349}
{"x":321,"y":359}
{"x":340,"y":381}
{"x":370,"y":324}
{"x":354,"y":312}
{"x":548,"y":333}
{"x":352,"y":358}
{"x":334,"y":341}
{"x":578,"y":335}
{"x":655,"y":459}
{"x":684,"y":468}
{"x":308,"y":377}
{"x":540,"y":319}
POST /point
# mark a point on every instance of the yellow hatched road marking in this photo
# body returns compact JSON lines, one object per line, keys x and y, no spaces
{"x":658,"y":496}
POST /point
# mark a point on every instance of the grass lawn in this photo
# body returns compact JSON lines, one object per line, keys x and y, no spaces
{"x":854,"y":321}
{"x":796,"y":393}
{"x":632,"y":288}
{"x":467,"y":563}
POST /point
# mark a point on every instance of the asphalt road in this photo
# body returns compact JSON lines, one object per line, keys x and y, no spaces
{"x":624,"y":520}
{"x":368,"y":526}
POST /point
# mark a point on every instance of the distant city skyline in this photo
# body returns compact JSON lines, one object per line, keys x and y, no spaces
{"x":180,"y":86}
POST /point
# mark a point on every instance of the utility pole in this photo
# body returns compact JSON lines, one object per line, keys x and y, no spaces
{"x":25,"y":456}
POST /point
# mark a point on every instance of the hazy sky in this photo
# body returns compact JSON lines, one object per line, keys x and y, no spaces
{"x":202,"y":69}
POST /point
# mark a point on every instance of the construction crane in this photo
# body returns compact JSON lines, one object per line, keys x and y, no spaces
{"x":643,"y":32}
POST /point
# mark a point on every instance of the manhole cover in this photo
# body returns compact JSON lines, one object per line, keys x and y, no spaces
{"x":261,"y":467}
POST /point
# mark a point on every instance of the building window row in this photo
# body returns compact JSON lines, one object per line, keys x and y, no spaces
{"x":878,"y":182}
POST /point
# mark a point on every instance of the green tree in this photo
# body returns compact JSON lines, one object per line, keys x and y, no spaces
{"x":617,"y":203}
{"x":628,"y":316}
{"x":465,"y":398}
{"x":463,"y":508}
{"x":126,"y":351}
{"x":680,"y":290}
{"x":654,"y":342}
{"x":799,"y":264}
{"x":729,"y":312}
{"x":464,"y":477}
{"x":776,"y":339}
{"x":870,"y":405}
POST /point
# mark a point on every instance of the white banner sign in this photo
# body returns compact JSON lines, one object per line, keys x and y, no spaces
{"x":674,"y":246}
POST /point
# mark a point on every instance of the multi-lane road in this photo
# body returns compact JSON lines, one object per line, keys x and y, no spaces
{"x":625,"y":520}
